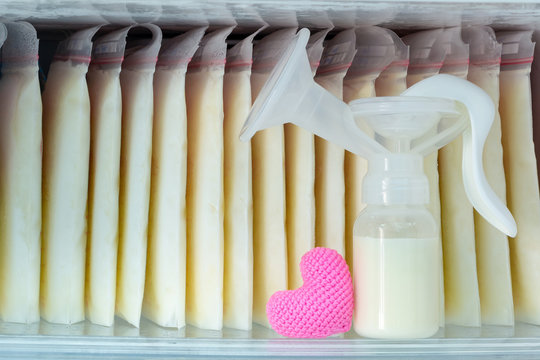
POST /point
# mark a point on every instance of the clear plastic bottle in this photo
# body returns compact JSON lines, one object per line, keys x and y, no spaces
{"x":396,"y":252}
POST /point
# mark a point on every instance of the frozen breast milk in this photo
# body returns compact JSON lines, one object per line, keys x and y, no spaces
{"x":204,"y":196}
{"x":66,"y":147}
{"x":300,"y":179}
{"x":268,"y":175}
{"x":329,"y":158}
{"x":238,"y":220}
{"x":374,"y":52}
{"x":105,"y":135}
{"x":136,"y":81}
{"x":520,"y":169}
{"x":165,"y":286}
{"x":20,"y":182}
{"x":426,"y":54}
{"x":492,"y":253}
{"x":462,"y":300}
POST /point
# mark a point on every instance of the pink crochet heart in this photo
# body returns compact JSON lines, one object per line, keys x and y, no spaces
{"x":321,"y":307}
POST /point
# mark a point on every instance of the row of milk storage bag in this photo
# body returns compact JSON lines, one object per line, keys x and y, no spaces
{"x":124,"y":189}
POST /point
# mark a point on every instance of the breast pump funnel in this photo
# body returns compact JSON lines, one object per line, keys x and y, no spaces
{"x":290,"y":95}
{"x":426,"y":117}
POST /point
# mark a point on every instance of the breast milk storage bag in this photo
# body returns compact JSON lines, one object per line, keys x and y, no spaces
{"x":329,"y":158}
{"x":165,"y":286}
{"x":20,"y":180}
{"x":136,"y":80}
{"x":492,"y":253}
{"x":462,"y":301}
{"x":520,"y":170}
{"x":268,"y":174}
{"x":105,"y":124}
{"x":238,"y":217}
{"x":204,"y":193}
{"x":66,"y":147}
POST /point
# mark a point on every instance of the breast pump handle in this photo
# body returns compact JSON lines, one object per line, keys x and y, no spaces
{"x":481,"y":112}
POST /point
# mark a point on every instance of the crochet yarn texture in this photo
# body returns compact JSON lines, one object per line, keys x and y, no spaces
{"x":322,"y":306}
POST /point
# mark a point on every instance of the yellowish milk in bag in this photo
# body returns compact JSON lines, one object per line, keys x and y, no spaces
{"x":462,"y":299}
{"x":165,"y":285}
{"x":238,"y":219}
{"x":492,"y":251}
{"x":520,"y":169}
{"x":136,"y":81}
{"x":20,"y":183}
{"x":204,"y":193}
{"x":105,"y":128}
{"x":66,"y":147}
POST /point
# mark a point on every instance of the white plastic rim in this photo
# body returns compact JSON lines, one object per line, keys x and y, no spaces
{"x":386,"y":105}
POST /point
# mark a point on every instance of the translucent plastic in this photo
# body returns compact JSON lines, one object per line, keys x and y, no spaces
{"x":291,"y":96}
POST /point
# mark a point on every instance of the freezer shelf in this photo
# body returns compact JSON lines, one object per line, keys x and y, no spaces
{"x":85,"y":340}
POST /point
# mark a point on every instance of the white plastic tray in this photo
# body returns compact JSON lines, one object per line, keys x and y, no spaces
{"x":85,"y":340}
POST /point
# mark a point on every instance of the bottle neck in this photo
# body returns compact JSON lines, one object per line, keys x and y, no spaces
{"x":396,"y":179}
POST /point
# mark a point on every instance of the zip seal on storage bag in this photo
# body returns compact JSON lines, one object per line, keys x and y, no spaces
{"x":375,"y":51}
{"x":20,"y":49}
{"x":517,"y":49}
{"x":427,"y":53}
{"x":240,"y":56}
{"x":456,"y":59}
{"x":108,"y":50}
{"x":78,"y":47}
{"x":338,"y":54}
{"x":484,"y":50}
{"x":140,"y":54}
{"x":268,"y":51}
{"x":178,"y":51}
{"x":393,"y":80}
{"x":212,"y":50}
{"x":315,"y":48}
